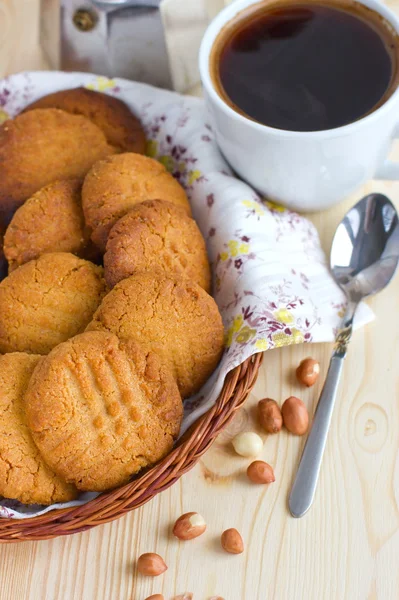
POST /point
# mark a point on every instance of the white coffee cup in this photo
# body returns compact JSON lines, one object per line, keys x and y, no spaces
{"x":302,"y":170}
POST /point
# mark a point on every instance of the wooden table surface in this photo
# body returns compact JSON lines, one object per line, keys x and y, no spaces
{"x":345,"y":548}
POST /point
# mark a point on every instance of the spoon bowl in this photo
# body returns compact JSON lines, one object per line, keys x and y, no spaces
{"x":365,"y":248}
{"x":364,"y":258}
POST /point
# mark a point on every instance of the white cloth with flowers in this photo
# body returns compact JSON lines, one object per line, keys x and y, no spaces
{"x":270,"y":277}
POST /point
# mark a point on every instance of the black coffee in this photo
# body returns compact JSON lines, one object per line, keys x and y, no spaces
{"x":305,"y":66}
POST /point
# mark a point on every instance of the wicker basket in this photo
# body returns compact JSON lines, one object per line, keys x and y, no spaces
{"x":112,"y":505}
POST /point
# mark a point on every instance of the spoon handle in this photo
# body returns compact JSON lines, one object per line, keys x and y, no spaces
{"x":305,"y":483}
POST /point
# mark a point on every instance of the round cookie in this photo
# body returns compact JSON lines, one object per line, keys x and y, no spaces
{"x":121,"y":128}
{"x":156,"y":234}
{"x":24,"y":475}
{"x":100,"y":410}
{"x":172,"y":317}
{"x":48,"y":300}
{"x":50,"y":221}
{"x":114,"y":185}
{"x":42,"y":146}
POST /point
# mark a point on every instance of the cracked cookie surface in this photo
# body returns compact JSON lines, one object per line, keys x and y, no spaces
{"x":42,"y":146}
{"x":156,"y":234}
{"x":121,"y":128}
{"x":170,"y":316}
{"x":50,"y":221}
{"x":117,"y":183}
{"x":48,"y":300}
{"x":101,"y":409}
{"x":24,"y":475}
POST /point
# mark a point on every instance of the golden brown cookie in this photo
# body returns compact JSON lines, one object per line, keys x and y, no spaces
{"x":48,"y":300}
{"x":156,"y":235}
{"x":114,"y":185}
{"x":50,"y":221}
{"x":42,"y":146}
{"x":121,"y":128}
{"x":24,"y":475}
{"x":100,"y":410}
{"x":172,"y":317}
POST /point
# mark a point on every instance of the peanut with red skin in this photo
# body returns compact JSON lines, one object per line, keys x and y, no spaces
{"x":295,"y":415}
{"x":232,"y":541}
{"x":189,"y":526}
{"x":151,"y":564}
{"x":269,"y":415}
{"x":308,"y":371}
{"x":260,"y":472}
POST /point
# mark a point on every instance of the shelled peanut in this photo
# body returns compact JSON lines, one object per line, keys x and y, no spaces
{"x":308,"y":371}
{"x":231,"y":541}
{"x":189,"y":526}
{"x":248,"y":444}
{"x":295,"y":415}
{"x":151,"y":564}
{"x":260,"y":472}
{"x":269,"y":415}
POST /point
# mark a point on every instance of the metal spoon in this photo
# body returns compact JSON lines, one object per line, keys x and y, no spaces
{"x":364,"y":258}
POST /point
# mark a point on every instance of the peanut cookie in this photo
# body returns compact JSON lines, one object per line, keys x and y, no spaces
{"x":170,"y":316}
{"x":114,"y":185}
{"x":48,"y":300}
{"x":121,"y":128}
{"x":100,"y":410}
{"x":42,"y":146}
{"x":50,"y":221}
{"x":24,"y":475}
{"x":156,"y":235}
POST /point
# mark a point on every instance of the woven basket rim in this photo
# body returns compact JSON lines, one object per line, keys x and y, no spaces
{"x":112,"y":505}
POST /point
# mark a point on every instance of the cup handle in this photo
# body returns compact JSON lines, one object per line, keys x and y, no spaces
{"x":389,"y":169}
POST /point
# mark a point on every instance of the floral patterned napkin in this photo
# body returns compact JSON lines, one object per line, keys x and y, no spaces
{"x":270,"y":277}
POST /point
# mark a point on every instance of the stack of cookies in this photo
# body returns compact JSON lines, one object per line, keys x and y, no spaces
{"x":106,"y":322}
